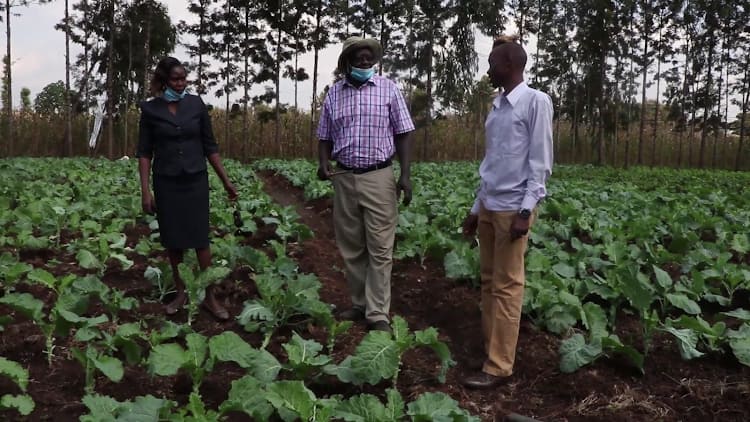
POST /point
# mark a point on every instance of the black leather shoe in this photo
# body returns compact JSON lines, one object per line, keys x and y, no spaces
{"x":483,"y":381}
{"x":380,"y":326}
{"x":353,"y":314}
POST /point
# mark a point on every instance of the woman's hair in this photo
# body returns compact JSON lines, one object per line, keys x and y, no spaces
{"x":161,"y":74}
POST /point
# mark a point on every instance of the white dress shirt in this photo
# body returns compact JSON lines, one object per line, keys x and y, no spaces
{"x":518,"y":151}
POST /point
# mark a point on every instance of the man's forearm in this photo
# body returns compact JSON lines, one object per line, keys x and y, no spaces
{"x":144,"y":170}
{"x":403,"y":151}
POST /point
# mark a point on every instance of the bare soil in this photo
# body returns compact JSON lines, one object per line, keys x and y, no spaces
{"x":711,"y":389}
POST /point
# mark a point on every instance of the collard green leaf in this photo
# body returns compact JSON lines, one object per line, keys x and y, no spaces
{"x":613,"y":346}
{"x":437,"y":407}
{"x":662,"y":277}
{"x":25,"y":304}
{"x":429,"y":338}
{"x":110,"y":366}
{"x":15,"y":372}
{"x":293,"y":396}
{"x":376,"y":358}
{"x":24,"y":404}
{"x":246,"y":395}
{"x":167,"y":359}
{"x":739,"y":341}
{"x":305,"y":352}
{"x":687,"y":341}
{"x":575,"y":353}
{"x":362,"y":408}
{"x":564,"y":270}
{"x":684,"y":303}
{"x":87,"y":260}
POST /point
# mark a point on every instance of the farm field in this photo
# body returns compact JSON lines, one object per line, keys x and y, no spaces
{"x":637,"y":302}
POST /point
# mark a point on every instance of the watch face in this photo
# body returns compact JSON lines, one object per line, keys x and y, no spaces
{"x":525,"y":213}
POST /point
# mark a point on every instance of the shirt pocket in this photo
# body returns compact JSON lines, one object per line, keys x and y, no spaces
{"x":516,"y":142}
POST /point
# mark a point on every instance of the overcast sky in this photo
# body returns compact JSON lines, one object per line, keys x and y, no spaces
{"x":38,"y":52}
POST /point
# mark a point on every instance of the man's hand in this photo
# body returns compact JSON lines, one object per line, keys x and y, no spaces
{"x":147,"y":203}
{"x":519,"y":228}
{"x":324,"y":172}
{"x":231,"y":191}
{"x":470,"y":225}
{"x":404,"y":185}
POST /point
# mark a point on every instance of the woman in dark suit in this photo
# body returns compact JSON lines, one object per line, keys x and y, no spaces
{"x":175,"y":131}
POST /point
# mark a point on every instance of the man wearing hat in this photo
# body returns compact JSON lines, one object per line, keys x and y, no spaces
{"x":363,"y":123}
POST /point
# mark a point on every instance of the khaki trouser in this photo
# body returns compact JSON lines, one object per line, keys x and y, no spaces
{"x":503,"y":277}
{"x":365,"y":213}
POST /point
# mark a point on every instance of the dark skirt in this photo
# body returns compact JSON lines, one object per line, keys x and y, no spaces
{"x":182,"y":210}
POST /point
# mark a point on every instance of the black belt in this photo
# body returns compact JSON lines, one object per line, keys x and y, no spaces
{"x":378,"y":166}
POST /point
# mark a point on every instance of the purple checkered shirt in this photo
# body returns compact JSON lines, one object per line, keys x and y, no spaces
{"x":361,"y":122}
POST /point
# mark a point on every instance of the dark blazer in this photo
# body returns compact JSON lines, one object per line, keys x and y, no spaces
{"x":177,"y":143}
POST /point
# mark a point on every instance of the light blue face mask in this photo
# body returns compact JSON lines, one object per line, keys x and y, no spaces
{"x":362,"y":75}
{"x":171,"y":96}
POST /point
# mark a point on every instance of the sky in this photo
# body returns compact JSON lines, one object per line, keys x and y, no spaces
{"x":38,"y":52}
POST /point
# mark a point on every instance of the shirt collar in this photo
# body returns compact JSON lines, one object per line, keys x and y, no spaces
{"x":514,"y":95}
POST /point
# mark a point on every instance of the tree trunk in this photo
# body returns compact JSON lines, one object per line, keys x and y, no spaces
{"x":68,"y":111}
{"x":428,"y":118}
{"x":9,"y":79}
{"x":111,"y":83}
{"x":316,"y":59}
{"x":601,"y":153}
{"x":277,"y":129}
{"x":228,"y":37}
{"x":714,"y":155}
{"x":147,"y":56}
{"x":656,"y":107}
{"x":129,"y":85}
{"x":244,"y":142}
{"x":691,"y":132}
{"x":86,"y":70}
{"x":201,"y":32}
{"x":707,"y":108}
{"x":745,"y":98}
{"x":643,"y":101}
{"x":685,"y":93}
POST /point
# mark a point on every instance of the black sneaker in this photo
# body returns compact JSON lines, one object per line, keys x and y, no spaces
{"x":380,"y":326}
{"x":353,"y":314}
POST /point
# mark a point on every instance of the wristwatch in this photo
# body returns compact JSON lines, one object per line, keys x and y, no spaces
{"x":524,"y":213}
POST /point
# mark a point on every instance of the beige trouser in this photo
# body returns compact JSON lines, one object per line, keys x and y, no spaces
{"x":365,"y":213}
{"x":503,"y":277}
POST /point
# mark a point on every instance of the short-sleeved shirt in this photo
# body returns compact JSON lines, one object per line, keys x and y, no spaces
{"x":361,"y":122}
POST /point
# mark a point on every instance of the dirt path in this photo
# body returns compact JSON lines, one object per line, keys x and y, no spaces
{"x":705,"y":390}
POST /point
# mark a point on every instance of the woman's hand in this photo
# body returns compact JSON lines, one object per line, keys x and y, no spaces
{"x":231,"y":191}
{"x":147,"y":203}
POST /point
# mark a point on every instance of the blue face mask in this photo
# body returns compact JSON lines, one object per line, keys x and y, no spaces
{"x":171,"y":96}
{"x":362,"y":75}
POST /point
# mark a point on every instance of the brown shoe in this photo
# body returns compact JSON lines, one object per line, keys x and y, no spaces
{"x":483,"y":381}
{"x":175,"y":305}
{"x":218,"y":311}
{"x":353,"y":314}
{"x":380,"y":326}
{"x":475,"y":364}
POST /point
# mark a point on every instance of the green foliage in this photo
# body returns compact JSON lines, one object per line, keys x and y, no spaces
{"x":378,"y":355}
{"x":20,"y":377}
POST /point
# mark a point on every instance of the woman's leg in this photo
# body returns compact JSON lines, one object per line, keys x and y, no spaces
{"x":213,"y":305}
{"x":175,"y":258}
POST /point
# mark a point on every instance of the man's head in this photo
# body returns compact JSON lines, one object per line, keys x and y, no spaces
{"x":359,"y":53}
{"x":507,"y":63}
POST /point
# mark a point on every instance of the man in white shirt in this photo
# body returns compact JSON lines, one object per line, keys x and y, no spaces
{"x":517,"y":163}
